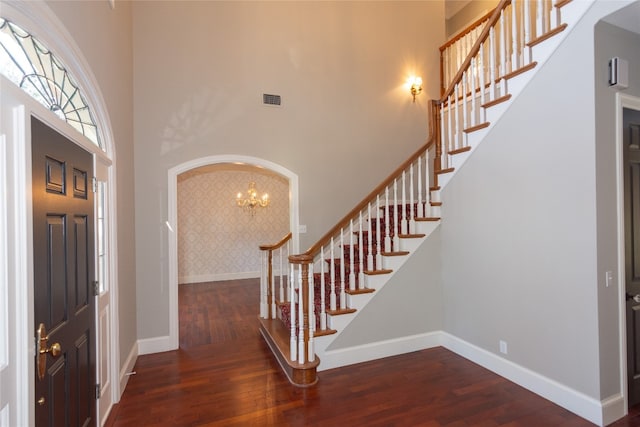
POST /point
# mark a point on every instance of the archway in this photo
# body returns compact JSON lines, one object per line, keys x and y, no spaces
{"x":172,"y":220}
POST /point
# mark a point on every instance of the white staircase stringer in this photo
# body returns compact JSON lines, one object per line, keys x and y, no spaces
{"x":374,"y":281}
{"x":571,"y":14}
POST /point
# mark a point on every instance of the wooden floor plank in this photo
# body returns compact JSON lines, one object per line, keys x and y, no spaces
{"x":224,"y":375}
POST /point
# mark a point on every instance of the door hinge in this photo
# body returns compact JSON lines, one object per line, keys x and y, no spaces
{"x":95,"y":185}
{"x":98,"y":391}
{"x":96,"y":288}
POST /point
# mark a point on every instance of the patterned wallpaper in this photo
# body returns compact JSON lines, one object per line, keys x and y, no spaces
{"x":217,"y":240}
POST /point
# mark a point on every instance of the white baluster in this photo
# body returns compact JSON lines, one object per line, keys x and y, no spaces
{"x":514,"y":35}
{"x":482,"y":68}
{"x":444,"y":157}
{"x":503,"y":56}
{"x":526,"y":9}
{"x":273,"y":294}
{"x":378,"y":244}
{"x":403,"y":221}
{"x":420,"y":202}
{"x":465,"y":118}
{"x":411,"y":225}
{"x":474,"y":96}
{"x":456,"y":122}
{"x":539,"y":19}
{"x":556,"y":16}
{"x":343,"y":303}
{"x":396,"y":238}
{"x":323,"y":293}
{"x":369,"y":240}
{"x":280,"y":283}
{"x":264,"y":311}
{"x":352,"y":272}
{"x":360,"y":254}
{"x":292,"y":316}
{"x":332,"y":278}
{"x":427,"y":185}
{"x":546,"y":17}
{"x":387,"y":220}
{"x":312,"y":316}
{"x":492,"y":63}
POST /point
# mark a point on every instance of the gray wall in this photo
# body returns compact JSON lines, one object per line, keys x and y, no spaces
{"x":105,"y":38}
{"x":520,"y":244}
{"x":610,"y":41}
{"x":466,"y":15}
{"x":200,"y":69}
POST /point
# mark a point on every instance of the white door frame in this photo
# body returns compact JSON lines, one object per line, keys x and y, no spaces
{"x":172,"y":225}
{"x":37,"y":18}
{"x":630,"y":102}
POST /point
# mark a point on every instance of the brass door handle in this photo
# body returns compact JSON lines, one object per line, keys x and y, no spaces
{"x":55,"y":349}
{"x":43,"y":349}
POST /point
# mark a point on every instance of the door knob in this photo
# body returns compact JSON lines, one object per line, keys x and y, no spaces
{"x":43,"y":349}
{"x":54,"y":349}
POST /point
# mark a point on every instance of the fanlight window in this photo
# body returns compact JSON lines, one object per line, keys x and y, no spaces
{"x":30,"y":65}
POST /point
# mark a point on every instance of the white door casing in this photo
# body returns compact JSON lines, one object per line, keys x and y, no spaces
{"x":15,"y":348}
{"x":622,"y":101}
{"x":17,"y":108}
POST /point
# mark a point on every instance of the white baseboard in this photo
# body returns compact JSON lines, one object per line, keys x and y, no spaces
{"x":570,"y":399}
{"x":156,"y":345}
{"x":598,"y":412}
{"x":613,"y":408}
{"x":202,"y":278}
{"x":364,"y":353}
{"x":127,"y":368}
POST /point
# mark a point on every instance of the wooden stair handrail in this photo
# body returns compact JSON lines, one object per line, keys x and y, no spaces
{"x":457,"y":37}
{"x":344,"y":222}
{"x":495,"y":16}
{"x":466,"y":31}
{"x":278,"y":245}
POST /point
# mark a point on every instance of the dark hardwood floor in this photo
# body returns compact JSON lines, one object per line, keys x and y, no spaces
{"x":224,"y":375}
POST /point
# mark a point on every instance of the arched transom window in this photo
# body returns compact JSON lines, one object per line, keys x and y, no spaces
{"x":30,"y":65}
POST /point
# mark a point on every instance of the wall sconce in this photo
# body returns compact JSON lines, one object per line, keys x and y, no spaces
{"x":416,"y":86}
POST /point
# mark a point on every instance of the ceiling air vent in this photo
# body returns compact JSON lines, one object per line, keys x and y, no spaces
{"x":270,"y":99}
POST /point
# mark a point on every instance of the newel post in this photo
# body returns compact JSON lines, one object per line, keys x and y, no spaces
{"x":304,"y":265}
{"x":435,"y":119}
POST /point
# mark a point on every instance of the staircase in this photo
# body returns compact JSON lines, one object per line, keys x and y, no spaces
{"x":308,"y":299}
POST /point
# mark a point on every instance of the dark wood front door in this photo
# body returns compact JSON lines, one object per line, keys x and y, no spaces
{"x":631,"y":153}
{"x":63,"y":265}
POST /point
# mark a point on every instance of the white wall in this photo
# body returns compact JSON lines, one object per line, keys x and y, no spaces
{"x":610,"y":41}
{"x":200,"y":69}
{"x":520,"y":243}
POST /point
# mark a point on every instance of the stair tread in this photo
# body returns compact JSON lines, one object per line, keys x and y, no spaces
{"x":396,"y":253}
{"x":447,"y":170}
{"x":411,"y":236}
{"x":359,"y":291}
{"x":428,"y":218}
{"x":520,"y":70}
{"x":376,"y":272}
{"x":341,"y":311}
{"x":547,"y":35}
{"x":496,"y":101}
{"x":323,"y":332}
{"x":472,"y":129}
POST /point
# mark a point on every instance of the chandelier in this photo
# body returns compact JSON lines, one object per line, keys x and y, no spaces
{"x":251,"y":201}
